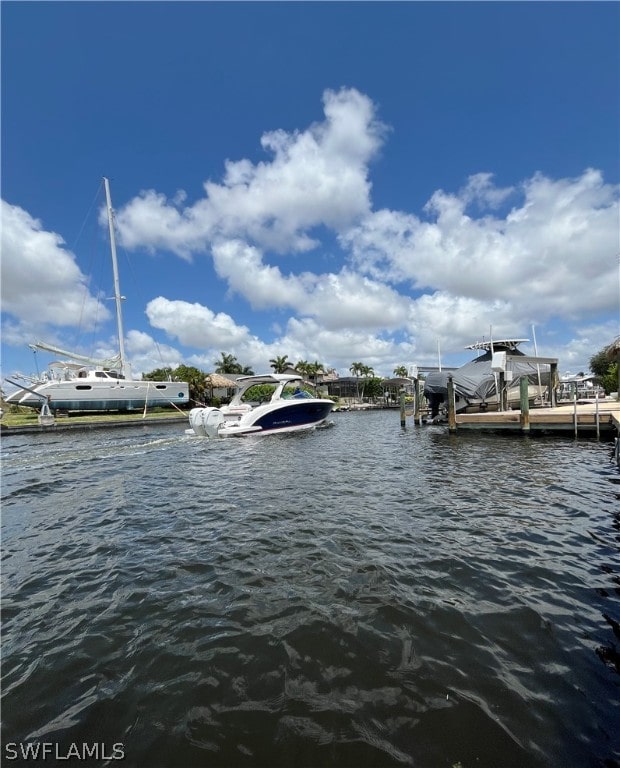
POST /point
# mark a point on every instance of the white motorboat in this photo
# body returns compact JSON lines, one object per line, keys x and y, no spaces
{"x":282,"y":406}
{"x":85,"y":384}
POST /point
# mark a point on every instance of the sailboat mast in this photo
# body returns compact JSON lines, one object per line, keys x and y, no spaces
{"x":117,"y":287}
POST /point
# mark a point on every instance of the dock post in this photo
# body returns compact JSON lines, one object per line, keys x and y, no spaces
{"x":451,"y":406}
{"x":553,"y":378}
{"x":598,"y":424}
{"x":502,"y":388}
{"x":416,"y":401}
{"x":420,"y":391}
{"x":524,"y":404}
{"x":575,"y":408}
{"x":402,"y":407}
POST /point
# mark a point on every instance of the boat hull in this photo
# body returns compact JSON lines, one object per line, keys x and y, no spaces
{"x":292,"y":417}
{"x":104,"y":396}
{"x":269,"y":419}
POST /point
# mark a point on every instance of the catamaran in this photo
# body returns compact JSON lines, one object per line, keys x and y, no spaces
{"x":82,"y":383}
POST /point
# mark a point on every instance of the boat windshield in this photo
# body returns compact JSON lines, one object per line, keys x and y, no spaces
{"x":263,"y":393}
{"x":295,"y":391}
{"x":259,"y":393}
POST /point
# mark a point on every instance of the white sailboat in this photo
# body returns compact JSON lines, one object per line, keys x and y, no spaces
{"x":84,"y":384}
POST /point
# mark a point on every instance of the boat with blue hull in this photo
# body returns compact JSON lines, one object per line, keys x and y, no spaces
{"x":281,"y":406}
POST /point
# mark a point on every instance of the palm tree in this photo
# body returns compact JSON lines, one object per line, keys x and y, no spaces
{"x":356,"y":369}
{"x":228,"y":364}
{"x":368,"y":371}
{"x":314,"y":369}
{"x":279,"y":363}
{"x":401,"y":371}
{"x":303,"y":366}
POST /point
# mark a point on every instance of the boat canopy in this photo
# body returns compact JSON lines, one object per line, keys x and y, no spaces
{"x":267,"y":378}
{"x":476,"y":380}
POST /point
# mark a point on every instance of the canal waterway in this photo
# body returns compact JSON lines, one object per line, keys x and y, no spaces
{"x":355,"y":596}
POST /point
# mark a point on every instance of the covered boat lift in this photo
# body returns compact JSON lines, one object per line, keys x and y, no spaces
{"x":487,"y":379}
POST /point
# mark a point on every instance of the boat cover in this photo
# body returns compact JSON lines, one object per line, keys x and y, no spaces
{"x":476,"y":381}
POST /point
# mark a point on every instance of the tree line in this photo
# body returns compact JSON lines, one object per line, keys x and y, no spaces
{"x":604,"y":365}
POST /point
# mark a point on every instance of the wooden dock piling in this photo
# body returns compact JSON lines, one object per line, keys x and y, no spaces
{"x":525,"y":404}
{"x":451,"y":406}
{"x":417,"y":413}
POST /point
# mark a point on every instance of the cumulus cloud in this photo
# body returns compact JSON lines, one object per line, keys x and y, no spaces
{"x":344,"y":345}
{"x":242,"y":266}
{"x":195,"y":325}
{"x":479,"y":256}
{"x":482,"y":257}
{"x":586,"y":342}
{"x":41,"y":282}
{"x":341,"y":300}
{"x":316,"y":177}
{"x":147,"y":354}
{"x":350,"y":300}
{"x":561,"y":235}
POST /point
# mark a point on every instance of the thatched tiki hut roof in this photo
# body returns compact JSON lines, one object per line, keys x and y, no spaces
{"x":217,"y":381}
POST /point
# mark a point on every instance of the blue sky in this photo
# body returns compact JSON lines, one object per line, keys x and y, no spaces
{"x":330,"y":181}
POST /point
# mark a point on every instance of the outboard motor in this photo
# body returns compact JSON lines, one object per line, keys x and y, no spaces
{"x":206,"y":421}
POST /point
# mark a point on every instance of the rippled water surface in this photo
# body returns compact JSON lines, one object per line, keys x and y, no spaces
{"x":356,"y":596}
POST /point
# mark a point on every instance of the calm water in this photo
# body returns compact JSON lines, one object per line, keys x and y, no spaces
{"x":357,"y":596}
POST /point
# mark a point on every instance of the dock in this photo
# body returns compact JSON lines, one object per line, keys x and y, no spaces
{"x":578,"y":419}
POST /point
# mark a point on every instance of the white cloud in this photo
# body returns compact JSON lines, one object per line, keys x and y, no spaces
{"x":150,"y":221}
{"x":195,"y":325}
{"x":456,"y":321}
{"x":585,"y":343}
{"x":315,"y":177}
{"x":263,"y":286}
{"x":479,"y":270}
{"x":304,"y":338}
{"x":41,"y":282}
{"x":342,"y":347}
{"x":343,"y":300}
{"x":146,"y":354}
{"x":538,"y":257}
{"x":353,"y":301}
